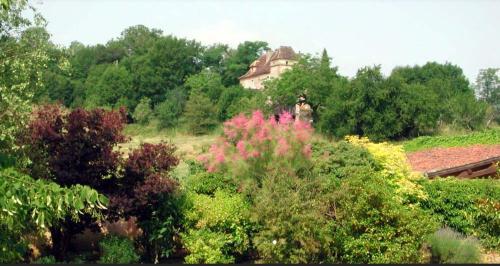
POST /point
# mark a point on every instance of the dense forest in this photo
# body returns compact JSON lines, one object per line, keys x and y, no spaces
{"x":264,"y":190}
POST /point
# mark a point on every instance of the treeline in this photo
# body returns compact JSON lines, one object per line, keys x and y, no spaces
{"x":172,"y":79}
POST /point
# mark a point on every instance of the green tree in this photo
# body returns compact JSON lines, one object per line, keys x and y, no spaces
{"x":106,"y":84}
{"x":23,"y":55}
{"x":239,"y":59}
{"x":169,"y":111}
{"x":143,"y":112}
{"x":200,"y":114}
{"x":488,"y":88}
{"x":206,"y":82}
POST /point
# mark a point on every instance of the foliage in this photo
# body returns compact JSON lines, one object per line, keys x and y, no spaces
{"x":231,"y":97}
{"x":372,"y":227}
{"x":489,"y":136}
{"x":292,"y":226}
{"x":207,"y":247}
{"x":110,"y":85}
{"x":143,"y":112}
{"x":207,"y":183}
{"x":147,"y":192}
{"x":206,"y":82}
{"x":169,"y":111}
{"x":237,"y":61}
{"x":488,"y":88}
{"x":218,"y":228}
{"x":252,"y":146}
{"x":341,"y":160}
{"x":448,"y":246}
{"x":30,"y":205}
{"x":200,"y":114}
{"x":23,"y":55}
{"x":45,"y":260}
{"x":75,"y":147}
{"x":395,"y":167}
{"x":117,"y":249}
{"x":465,"y":206}
{"x":379,"y":107}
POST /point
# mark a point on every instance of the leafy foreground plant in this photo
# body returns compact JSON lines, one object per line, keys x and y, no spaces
{"x":117,"y":249}
{"x":448,"y":246}
{"x":30,"y":205}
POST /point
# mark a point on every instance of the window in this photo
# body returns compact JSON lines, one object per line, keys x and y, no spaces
{"x":286,"y":63}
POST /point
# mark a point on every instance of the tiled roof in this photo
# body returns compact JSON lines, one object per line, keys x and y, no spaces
{"x":263,"y":64}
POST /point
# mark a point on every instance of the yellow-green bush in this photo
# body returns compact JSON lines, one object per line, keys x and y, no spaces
{"x":395,"y":166}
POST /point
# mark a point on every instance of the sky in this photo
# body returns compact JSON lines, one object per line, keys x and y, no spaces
{"x":355,"y":33}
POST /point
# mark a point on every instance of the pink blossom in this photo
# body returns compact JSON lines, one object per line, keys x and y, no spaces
{"x":285,"y":117}
{"x":282,"y":147}
{"x":254,"y":154}
{"x":241,"y":148}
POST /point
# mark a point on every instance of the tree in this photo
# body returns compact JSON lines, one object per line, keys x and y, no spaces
{"x":169,"y":111}
{"x":22,"y":59}
{"x":143,"y":112}
{"x":238,"y":60}
{"x":109,"y":87}
{"x":488,"y":88}
{"x":207,"y":82}
{"x":200,"y":114}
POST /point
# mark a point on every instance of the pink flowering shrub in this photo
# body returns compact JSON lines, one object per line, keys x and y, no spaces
{"x":253,"y":146}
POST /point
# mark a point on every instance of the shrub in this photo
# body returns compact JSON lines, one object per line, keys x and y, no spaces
{"x":252,"y":146}
{"x":218,"y":228}
{"x":148,"y":193}
{"x":143,"y":112}
{"x":292,"y":226}
{"x":341,"y":159}
{"x":467,"y":206}
{"x":115,"y":249}
{"x":207,"y":247}
{"x":371,"y":227}
{"x":207,"y":183}
{"x":395,"y":167}
{"x":448,"y":246}
{"x":45,"y":260}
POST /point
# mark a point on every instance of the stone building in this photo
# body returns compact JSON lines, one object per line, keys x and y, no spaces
{"x":269,"y":65}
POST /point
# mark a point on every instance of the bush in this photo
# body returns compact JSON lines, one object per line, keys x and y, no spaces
{"x":207,"y":183}
{"x":45,"y":260}
{"x":341,"y":159}
{"x":395,"y":167}
{"x":218,"y":228}
{"x":467,"y":206}
{"x":252,"y":146}
{"x":448,"y":246}
{"x":142,"y":113}
{"x":148,"y":193}
{"x":207,"y":247}
{"x":371,"y":227}
{"x":115,"y":249}
{"x":292,"y":225}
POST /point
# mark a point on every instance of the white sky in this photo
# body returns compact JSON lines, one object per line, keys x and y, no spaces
{"x":355,"y":33}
